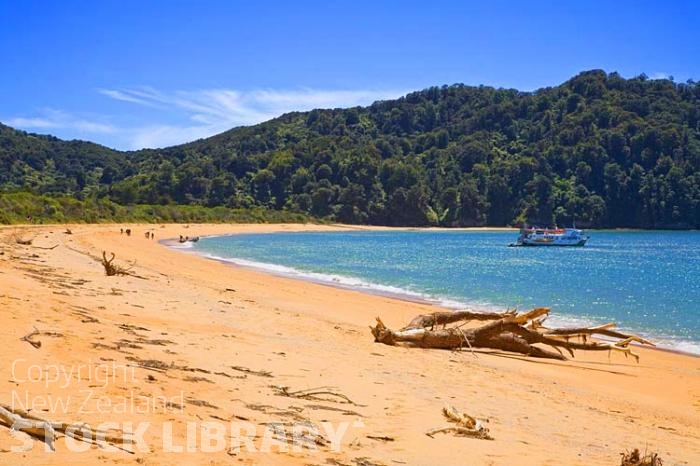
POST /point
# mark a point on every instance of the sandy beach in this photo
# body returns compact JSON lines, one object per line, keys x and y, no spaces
{"x":193,"y":346}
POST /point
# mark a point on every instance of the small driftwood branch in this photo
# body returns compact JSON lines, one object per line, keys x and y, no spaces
{"x":48,"y":248}
{"x":465,"y":425}
{"x":583,"y":332}
{"x":635,"y":458}
{"x":383,"y":438}
{"x":28,"y":339}
{"x":35,"y":343}
{"x":112,"y":269}
{"x":317,"y":394}
{"x":251,"y":371}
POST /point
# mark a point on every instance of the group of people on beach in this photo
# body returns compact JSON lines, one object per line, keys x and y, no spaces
{"x":151,"y":235}
{"x":148,"y":234}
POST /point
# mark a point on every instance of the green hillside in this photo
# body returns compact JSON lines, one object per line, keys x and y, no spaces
{"x":599,"y":150}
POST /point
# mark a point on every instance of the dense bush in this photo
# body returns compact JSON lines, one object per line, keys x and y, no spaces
{"x":599,"y":150}
{"x":22,"y":207}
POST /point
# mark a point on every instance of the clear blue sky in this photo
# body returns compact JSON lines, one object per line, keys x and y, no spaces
{"x":130,"y":74}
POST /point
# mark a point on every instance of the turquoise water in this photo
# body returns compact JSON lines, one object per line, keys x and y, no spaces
{"x":647,"y":282}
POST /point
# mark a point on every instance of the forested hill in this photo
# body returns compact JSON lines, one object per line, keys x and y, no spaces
{"x":599,"y":149}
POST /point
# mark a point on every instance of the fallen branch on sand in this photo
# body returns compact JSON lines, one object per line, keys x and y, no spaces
{"x":252,"y":372}
{"x":37,"y":344}
{"x":345,"y":412}
{"x":19,"y":420}
{"x":46,"y":248}
{"x":635,"y":458}
{"x":113,"y":269}
{"x":465,"y":425}
{"x":316,"y":394}
{"x":28,"y":339}
{"x":508,"y":331}
{"x":383,"y":438}
{"x":201,"y":403}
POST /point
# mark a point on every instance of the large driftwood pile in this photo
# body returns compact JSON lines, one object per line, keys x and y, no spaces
{"x":507,"y":331}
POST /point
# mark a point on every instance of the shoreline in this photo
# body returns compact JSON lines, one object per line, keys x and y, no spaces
{"x":373,"y":288}
{"x":225,"y":336}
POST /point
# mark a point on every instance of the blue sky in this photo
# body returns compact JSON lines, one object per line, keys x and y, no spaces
{"x":149,"y":73}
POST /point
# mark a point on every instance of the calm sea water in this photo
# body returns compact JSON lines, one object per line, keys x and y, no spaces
{"x":647,"y":282}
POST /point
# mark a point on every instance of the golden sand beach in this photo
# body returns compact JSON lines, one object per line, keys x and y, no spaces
{"x":193,"y":346}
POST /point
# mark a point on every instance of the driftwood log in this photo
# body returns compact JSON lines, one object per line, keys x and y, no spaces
{"x":20,"y":420}
{"x":507,"y":331}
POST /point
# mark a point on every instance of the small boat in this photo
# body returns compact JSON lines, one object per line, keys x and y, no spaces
{"x":533,"y":236}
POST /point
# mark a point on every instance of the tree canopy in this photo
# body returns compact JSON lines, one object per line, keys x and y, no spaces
{"x":598,"y":150}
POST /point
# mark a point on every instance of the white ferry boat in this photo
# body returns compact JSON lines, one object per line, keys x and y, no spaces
{"x":532,"y":236}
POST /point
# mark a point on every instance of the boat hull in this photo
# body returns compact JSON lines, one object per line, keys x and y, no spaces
{"x":553,"y":243}
{"x":544,"y":237}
